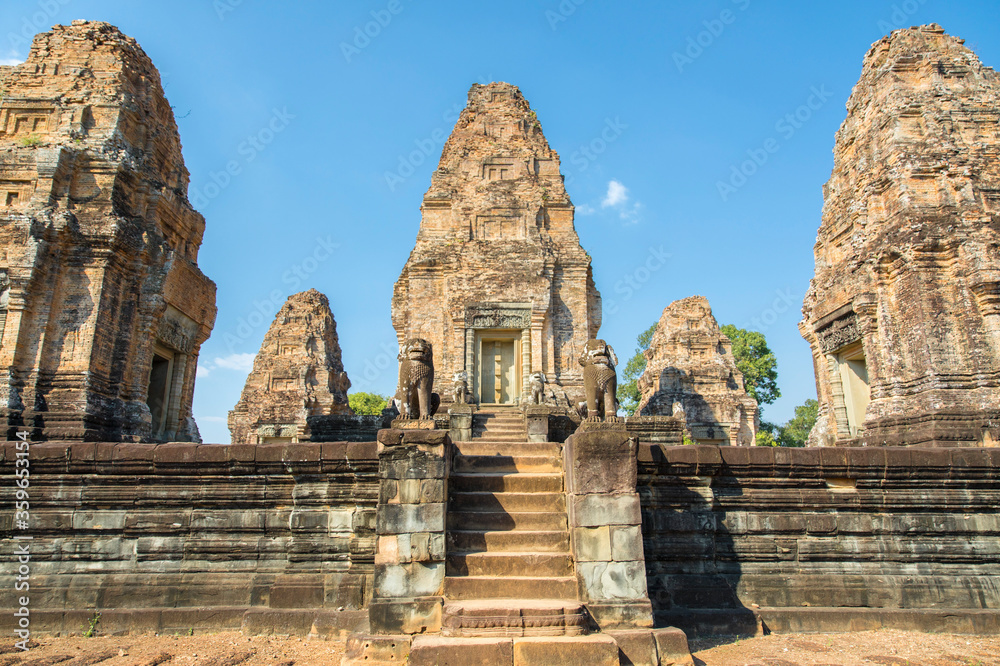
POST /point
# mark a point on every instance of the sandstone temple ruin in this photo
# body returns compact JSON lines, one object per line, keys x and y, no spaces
{"x":104,"y":307}
{"x":297,"y":374}
{"x":498,"y":282}
{"x":510,"y":527}
{"x":903,"y":315}
{"x":690,"y":364}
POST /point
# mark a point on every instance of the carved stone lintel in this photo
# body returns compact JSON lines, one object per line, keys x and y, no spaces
{"x":839,"y":333}
{"x":497,"y":316}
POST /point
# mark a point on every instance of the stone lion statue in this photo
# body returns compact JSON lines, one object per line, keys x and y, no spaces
{"x":414,"y":398}
{"x":600,"y":381}
{"x":537,"y":385}
{"x":461,"y":388}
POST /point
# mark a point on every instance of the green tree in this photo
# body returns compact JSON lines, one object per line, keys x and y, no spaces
{"x":757,"y":363}
{"x":796,"y":431}
{"x":370,"y":404}
{"x":628,"y":389}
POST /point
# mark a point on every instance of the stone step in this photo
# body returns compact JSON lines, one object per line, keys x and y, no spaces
{"x":514,"y":617}
{"x":549,"y":541}
{"x":491,"y":521}
{"x":509,"y":564}
{"x":497,"y":423}
{"x":497,"y":464}
{"x":506,"y":483}
{"x":523,"y":432}
{"x":512,"y":436}
{"x":507,"y":502}
{"x":486,"y":447}
{"x":509,"y":587}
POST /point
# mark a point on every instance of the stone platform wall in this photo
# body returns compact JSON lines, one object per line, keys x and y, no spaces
{"x":833,"y":539}
{"x":176,"y":536}
{"x":280,"y":538}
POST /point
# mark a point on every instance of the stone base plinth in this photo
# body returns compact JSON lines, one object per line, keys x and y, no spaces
{"x":413,"y":424}
{"x":405,"y":616}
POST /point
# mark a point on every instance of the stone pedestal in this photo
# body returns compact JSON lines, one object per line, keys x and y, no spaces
{"x":537,"y":420}
{"x":460,"y":422}
{"x":413,"y":424}
{"x":410,"y":524}
{"x":606,"y":525}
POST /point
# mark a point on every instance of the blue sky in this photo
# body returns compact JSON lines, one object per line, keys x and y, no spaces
{"x":331,"y":117}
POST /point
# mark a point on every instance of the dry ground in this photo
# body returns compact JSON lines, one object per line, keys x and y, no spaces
{"x":887,"y":648}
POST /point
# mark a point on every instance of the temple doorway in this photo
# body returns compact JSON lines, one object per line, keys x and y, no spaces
{"x":498,"y":370}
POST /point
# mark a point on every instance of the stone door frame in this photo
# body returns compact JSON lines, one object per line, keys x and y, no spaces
{"x":498,"y":320}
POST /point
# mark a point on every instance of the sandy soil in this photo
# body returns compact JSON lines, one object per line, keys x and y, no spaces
{"x":887,"y":648}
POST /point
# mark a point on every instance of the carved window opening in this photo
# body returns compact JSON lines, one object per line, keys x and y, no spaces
{"x":283,"y":384}
{"x":159,"y":391}
{"x":853,"y":373}
{"x":12,"y":199}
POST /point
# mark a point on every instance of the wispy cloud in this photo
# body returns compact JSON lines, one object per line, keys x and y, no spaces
{"x":585,"y":209}
{"x":617,"y":198}
{"x":617,"y":195}
{"x":237,"y":362}
{"x":11,"y":59}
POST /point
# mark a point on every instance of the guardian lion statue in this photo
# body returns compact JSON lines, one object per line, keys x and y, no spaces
{"x":414,"y":398}
{"x":461,"y":388}
{"x":600,"y":381}
{"x":537,"y":385}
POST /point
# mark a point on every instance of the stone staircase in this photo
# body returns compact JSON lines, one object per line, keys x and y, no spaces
{"x":509,"y":570}
{"x":499,"y":424}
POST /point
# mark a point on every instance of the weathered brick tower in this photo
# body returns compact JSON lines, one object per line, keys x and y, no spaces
{"x":102,"y":306}
{"x":498,"y":282}
{"x":903,"y":315}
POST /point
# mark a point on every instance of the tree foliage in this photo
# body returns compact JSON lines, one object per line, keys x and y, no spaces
{"x":628,"y":388}
{"x":796,"y":431}
{"x":367,"y":404}
{"x":757,"y":363}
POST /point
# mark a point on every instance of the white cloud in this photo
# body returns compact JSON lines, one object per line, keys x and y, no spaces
{"x":617,"y":198}
{"x":243,"y":362}
{"x":585,"y":209}
{"x":617,"y":195}
{"x":11,"y":59}
{"x":237,"y":362}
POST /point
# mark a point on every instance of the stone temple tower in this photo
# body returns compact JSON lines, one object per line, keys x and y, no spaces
{"x":903,"y":315}
{"x":103,"y":308}
{"x":498,"y":281}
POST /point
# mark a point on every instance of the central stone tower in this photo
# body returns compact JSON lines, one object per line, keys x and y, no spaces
{"x":498,"y":281}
